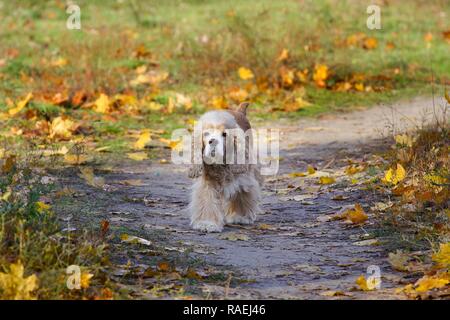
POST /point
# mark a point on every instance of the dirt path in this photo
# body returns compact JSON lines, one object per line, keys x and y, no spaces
{"x":292,"y":251}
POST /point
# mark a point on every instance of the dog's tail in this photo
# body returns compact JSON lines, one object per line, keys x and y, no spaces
{"x":243,"y":107}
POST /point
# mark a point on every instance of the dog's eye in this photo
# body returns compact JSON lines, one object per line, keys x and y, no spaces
{"x":224,"y":134}
{"x":205,"y":134}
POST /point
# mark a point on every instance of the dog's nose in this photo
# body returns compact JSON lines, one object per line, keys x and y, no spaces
{"x":213,"y":142}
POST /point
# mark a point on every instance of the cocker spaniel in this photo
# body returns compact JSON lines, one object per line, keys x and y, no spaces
{"x":228,"y":182}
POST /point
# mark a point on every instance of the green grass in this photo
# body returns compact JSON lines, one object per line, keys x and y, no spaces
{"x":203,"y":43}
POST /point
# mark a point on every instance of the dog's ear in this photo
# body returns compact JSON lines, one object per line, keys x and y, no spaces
{"x":195,"y":171}
{"x":243,"y":107}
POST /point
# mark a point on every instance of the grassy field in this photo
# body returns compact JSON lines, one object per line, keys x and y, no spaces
{"x":160,"y":63}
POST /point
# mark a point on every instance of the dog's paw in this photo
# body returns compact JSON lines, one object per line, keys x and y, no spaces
{"x":207,"y":226}
{"x":238,"y":219}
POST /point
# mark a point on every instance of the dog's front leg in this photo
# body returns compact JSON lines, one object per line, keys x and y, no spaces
{"x":206,"y":207}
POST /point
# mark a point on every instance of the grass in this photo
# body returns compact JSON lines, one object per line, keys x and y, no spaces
{"x":201,"y":45}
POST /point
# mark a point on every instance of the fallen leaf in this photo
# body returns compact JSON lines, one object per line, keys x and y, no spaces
{"x":428,"y":283}
{"x":399,"y":260}
{"x":143,"y":139}
{"x":85,"y":279}
{"x":75,"y":159}
{"x":61,"y":128}
{"x":101,"y":105}
{"x":320,"y":75}
{"x":326,"y":180}
{"x":442,"y":257}
{"x":135,"y":240}
{"x":370,"y":43}
{"x":234,"y":236}
{"x":355,"y":215}
{"x":369,"y":242}
{"x":20,"y":105}
{"x":15,"y":286}
{"x":245,"y":73}
{"x":395,"y":176}
{"x":362,"y":284}
{"x":283,"y":55}
{"x":138,"y":156}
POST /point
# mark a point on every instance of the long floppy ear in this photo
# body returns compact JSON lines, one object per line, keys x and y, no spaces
{"x":196,"y":169}
{"x":236,"y":168}
{"x":243,"y":107}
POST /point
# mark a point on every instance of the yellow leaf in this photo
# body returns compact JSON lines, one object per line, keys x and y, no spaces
{"x":61,"y":128}
{"x":219,"y":102}
{"x":356,"y":215}
{"x":20,"y":105}
{"x":85,"y":279}
{"x":396,"y":176}
{"x":173,"y":144}
{"x":427,"y":283}
{"x":359,"y":86}
{"x":311,"y":169}
{"x":283,"y":55}
{"x":370,"y":43}
{"x":447,"y":96}
{"x":398,"y":260}
{"x":320,"y":75}
{"x":143,"y":139}
{"x":362,"y":283}
{"x":442,"y":257}
{"x":101,"y":105}
{"x":298,"y":174}
{"x":326,"y":180}
{"x":75,"y":159}
{"x":154,"y":106}
{"x":138,"y":156}
{"x":245,"y":73}
{"x":59,"y":62}
{"x":14,"y":286}
{"x":234,"y":236}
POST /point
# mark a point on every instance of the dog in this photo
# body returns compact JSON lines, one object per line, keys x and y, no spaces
{"x":224,"y":193}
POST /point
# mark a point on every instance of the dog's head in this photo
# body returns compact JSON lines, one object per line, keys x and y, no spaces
{"x":216,"y":137}
{"x":214,"y":127}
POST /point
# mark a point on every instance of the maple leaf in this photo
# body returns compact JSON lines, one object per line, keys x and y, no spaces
{"x":326,"y":180}
{"x":356,"y":215}
{"x":398,"y":260}
{"x":143,"y":139}
{"x":283,"y":55}
{"x":85,"y":279}
{"x":61,"y":128}
{"x":370,"y":43}
{"x":442,"y":257}
{"x":15,"y":286}
{"x":245,"y":74}
{"x":395,"y":176}
{"x":362,"y":283}
{"x":427,"y":283}
{"x":320,"y":75}
{"x":101,"y":105}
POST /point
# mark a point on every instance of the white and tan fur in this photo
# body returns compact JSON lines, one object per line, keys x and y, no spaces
{"x":223,"y":193}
